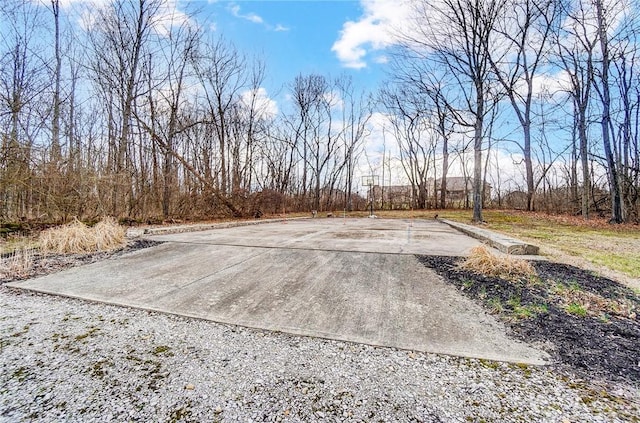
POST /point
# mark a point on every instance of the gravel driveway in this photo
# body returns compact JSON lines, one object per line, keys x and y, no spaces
{"x":68,"y":360}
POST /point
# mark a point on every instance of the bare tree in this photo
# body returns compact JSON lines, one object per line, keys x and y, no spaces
{"x":434,"y":87}
{"x":575,"y":55}
{"x":221,"y":70}
{"x":411,"y":119}
{"x":604,"y":19}
{"x":55,"y":124}
{"x":166,"y":99}
{"x":23,"y":83}
{"x":313,"y":130}
{"x":356,"y":112}
{"x":118,"y":38}
{"x":628,"y":83}
{"x":458,"y":35}
{"x":525,"y":31}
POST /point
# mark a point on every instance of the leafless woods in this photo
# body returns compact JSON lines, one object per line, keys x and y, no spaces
{"x":141,"y":114}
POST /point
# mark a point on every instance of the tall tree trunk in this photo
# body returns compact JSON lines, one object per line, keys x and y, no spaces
{"x":55,"y":124}
{"x":445,"y":170}
{"x":614,"y":183}
{"x":477,"y":154}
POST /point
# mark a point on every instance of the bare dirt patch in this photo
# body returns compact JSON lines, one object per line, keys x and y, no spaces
{"x":589,"y":324}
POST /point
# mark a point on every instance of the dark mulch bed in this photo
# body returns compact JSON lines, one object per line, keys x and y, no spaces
{"x":605,"y":346}
{"x":43,"y":264}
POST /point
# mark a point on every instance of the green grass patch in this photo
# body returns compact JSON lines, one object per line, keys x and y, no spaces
{"x":627,"y":263}
{"x":527,"y":311}
{"x":495,"y":305}
{"x":576,"y":309}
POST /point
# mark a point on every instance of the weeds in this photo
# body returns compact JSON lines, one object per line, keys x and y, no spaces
{"x":17,"y":264}
{"x":579,"y":302}
{"x":495,"y":306}
{"x":576,"y":309}
{"x":526,"y":311}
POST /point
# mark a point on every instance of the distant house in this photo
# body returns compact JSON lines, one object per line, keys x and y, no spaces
{"x":460,"y":191}
{"x":398,"y":197}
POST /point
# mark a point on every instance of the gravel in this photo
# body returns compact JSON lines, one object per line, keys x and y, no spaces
{"x":69,"y":360}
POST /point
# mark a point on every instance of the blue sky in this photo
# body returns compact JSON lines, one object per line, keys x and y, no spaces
{"x":292,"y":37}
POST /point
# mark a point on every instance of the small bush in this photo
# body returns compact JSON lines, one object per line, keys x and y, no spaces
{"x":483,"y":262}
{"x":78,"y":238}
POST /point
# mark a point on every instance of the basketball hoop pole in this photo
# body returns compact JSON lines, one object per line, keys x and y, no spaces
{"x":371,"y":211}
{"x":369,"y":181}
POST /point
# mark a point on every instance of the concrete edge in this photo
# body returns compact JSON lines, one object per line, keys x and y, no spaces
{"x":137,"y":232}
{"x":502,"y":243}
{"x":543,"y":360}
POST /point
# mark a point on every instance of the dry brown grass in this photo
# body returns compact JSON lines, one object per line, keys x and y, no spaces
{"x":78,"y":238}
{"x":483,"y":262}
{"x":17,"y":264}
{"x":593,"y":304}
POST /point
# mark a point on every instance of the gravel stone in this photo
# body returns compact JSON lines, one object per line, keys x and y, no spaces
{"x":63,"y":359}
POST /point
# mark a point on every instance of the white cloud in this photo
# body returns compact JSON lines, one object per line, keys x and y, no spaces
{"x":255,"y":18}
{"x":251,"y":17}
{"x":265,"y":107}
{"x":382,"y":59}
{"x":373,"y":31}
{"x":170,"y":16}
{"x":549,"y":85}
{"x":582,"y":22}
{"x":166,"y":17}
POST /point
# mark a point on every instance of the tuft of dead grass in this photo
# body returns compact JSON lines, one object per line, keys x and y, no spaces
{"x":483,"y":262}
{"x":17,"y":264}
{"x":109,"y":234}
{"x":78,"y":238}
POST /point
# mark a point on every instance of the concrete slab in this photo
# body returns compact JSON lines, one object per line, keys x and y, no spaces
{"x":354,"y":280}
{"x":502,"y":243}
{"x":395,"y":236}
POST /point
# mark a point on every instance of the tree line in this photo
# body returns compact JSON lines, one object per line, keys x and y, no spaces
{"x":555,"y":81}
{"x":141,"y":114}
